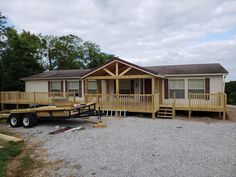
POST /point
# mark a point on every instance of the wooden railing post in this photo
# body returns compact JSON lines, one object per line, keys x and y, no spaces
{"x":189,"y":105}
{"x":174,"y":103}
{"x":74,"y":99}
{"x":34,"y":97}
{"x":225,"y":104}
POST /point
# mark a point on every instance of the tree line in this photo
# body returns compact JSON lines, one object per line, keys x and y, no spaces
{"x":24,"y":53}
{"x":230,"y":90}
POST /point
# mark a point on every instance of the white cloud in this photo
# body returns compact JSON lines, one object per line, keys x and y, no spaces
{"x":147,"y":32}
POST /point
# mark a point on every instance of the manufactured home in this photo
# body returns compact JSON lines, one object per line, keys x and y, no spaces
{"x":123,"y":86}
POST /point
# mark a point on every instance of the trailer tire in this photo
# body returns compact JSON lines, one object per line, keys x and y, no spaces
{"x":14,"y":121}
{"x":29,"y":120}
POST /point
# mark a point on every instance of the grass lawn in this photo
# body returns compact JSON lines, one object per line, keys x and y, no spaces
{"x":9,"y":151}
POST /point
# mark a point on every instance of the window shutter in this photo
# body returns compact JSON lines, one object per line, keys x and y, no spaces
{"x":61,"y":86}
{"x":166,"y":88}
{"x":207,"y":85}
{"x":66,"y":86}
{"x":80,"y":89}
{"x":49,"y":86}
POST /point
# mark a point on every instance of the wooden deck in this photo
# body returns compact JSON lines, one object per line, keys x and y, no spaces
{"x":147,"y":103}
{"x":128,"y":102}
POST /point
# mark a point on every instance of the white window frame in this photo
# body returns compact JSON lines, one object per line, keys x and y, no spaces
{"x":73,"y":90}
{"x":55,"y":89}
{"x":169,"y":89}
{"x":92,"y":90}
{"x":196,"y":88}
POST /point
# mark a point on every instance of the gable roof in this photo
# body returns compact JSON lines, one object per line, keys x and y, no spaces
{"x":158,"y":71}
{"x":143,"y":69}
{"x":211,"y":68}
{"x":58,"y":74}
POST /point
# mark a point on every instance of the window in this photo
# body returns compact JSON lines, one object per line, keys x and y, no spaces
{"x":73,"y":87}
{"x":125,"y":86}
{"x":196,"y":86}
{"x":55,"y":86}
{"x":92,"y":87}
{"x":177,"y":87}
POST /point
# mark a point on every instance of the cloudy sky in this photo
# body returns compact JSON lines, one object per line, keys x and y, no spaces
{"x":146,"y":32}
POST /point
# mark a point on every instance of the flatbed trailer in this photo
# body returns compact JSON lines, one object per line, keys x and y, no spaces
{"x":30,"y":116}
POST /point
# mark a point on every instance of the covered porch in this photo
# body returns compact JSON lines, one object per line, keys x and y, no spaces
{"x":120,"y":86}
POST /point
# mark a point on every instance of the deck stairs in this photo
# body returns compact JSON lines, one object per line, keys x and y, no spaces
{"x":165,"y":112}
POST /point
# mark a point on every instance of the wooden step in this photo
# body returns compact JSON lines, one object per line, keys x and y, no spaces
{"x":164,"y":117}
{"x":165,"y":112}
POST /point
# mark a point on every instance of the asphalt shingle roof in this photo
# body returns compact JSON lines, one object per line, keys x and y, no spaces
{"x":212,"y":68}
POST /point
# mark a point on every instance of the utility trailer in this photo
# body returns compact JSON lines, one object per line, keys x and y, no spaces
{"x":30,"y":116}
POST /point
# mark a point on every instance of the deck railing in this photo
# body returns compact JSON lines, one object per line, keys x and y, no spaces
{"x":16,"y":97}
{"x":127,"y":102}
{"x":215,"y":102}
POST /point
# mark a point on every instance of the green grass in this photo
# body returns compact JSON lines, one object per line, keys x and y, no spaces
{"x":27,"y":162}
{"x":10,"y":151}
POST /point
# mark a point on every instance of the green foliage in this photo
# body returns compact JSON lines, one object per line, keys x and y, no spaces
{"x":92,"y":55}
{"x":21,"y":57}
{"x":70,"y":52}
{"x":230,"y":90}
{"x":7,"y":153}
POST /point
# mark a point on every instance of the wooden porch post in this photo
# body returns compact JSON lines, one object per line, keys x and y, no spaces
{"x":117,"y":86}
{"x":153,"y":95}
{"x":86,"y":90}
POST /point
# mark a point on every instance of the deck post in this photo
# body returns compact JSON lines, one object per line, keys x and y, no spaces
{"x":189,"y":105}
{"x":225,"y":103}
{"x":173,"y":106}
{"x":117,"y":85}
{"x":153,"y":97}
{"x":74,"y":97}
{"x":86,"y":90}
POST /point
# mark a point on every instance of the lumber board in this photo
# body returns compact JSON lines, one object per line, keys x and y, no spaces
{"x":10,"y":138}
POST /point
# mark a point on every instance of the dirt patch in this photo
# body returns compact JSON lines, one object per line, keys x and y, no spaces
{"x":32,"y":161}
{"x":201,"y":119}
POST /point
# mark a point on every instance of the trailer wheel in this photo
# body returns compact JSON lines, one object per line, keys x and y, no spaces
{"x":14,"y":121}
{"x":29,"y":120}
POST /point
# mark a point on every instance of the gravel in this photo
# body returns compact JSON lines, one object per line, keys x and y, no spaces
{"x":143,"y":147}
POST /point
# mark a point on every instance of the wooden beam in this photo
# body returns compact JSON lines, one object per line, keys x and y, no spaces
{"x":117,"y":86}
{"x":120,"y":77}
{"x":10,"y":138}
{"x":86,"y":90}
{"x":108,"y":71}
{"x":125,"y":71}
{"x":117,"y":69}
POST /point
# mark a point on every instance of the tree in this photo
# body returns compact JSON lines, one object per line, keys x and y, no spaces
{"x":69,"y":52}
{"x":92,"y":55}
{"x":21,"y":57}
{"x":230,"y":90}
{"x":62,"y":52}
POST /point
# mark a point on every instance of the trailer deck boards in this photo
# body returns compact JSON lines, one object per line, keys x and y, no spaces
{"x":30,"y":116}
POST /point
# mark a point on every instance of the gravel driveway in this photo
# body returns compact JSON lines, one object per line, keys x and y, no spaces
{"x":142,"y":147}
